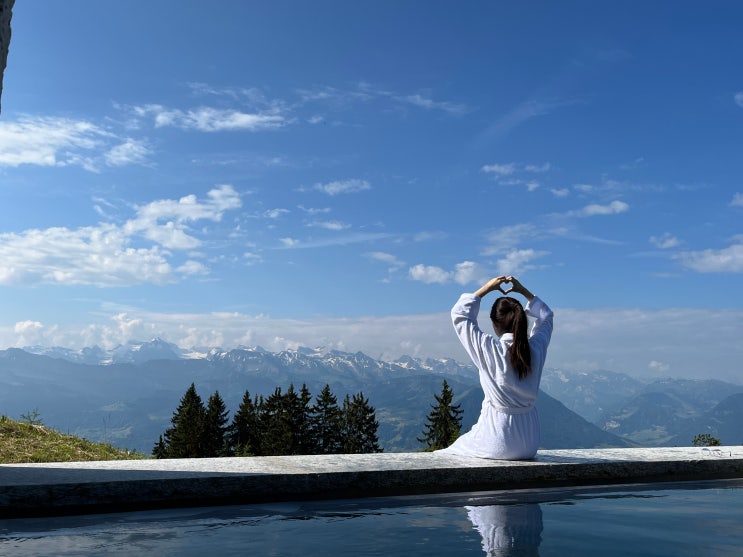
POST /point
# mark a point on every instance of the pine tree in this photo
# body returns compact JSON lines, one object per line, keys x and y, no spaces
{"x":444,"y":422}
{"x":185,"y":437}
{"x":215,"y":427}
{"x":160,"y":450}
{"x":359,"y":426}
{"x":298,"y":412}
{"x":325,"y":423}
{"x":277,"y":434}
{"x":243,"y":436}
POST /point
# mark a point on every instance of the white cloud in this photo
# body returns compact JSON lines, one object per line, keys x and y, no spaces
{"x":289,"y":242}
{"x":193,"y":268}
{"x":621,"y":340}
{"x":560,"y":192}
{"x":313,"y":210}
{"x":658,"y":366}
{"x":500,"y":169}
{"x":429,"y":104}
{"x":207,"y":119}
{"x":131,"y":151}
{"x":387,"y":258}
{"x":52,"y":141}
{"x":737,"y":200}
{"x":463,"y":273}
{"x":518,"y":261}
{"x":429,"y":274}
{"x":329,"y":225}
{"x":343,"y":186}
{"x":468,"y":272}
{"x":725,"y":260}
{"x":665,"y":241}
{"x":613,"y":208}
{"x":176,"y":214}
{"x":275,"y":213}
{"x":538,"y":167}
{"x":106,"y":255}
{"x":29,"y":332}
{"x":738,"y":97}
{"x":506,"y":238}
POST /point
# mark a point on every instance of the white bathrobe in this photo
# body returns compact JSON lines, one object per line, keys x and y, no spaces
{"x":508,"y":426}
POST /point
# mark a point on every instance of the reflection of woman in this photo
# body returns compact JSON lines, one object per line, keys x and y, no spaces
{"x":510,"y":366}
{"x":508,"y":529}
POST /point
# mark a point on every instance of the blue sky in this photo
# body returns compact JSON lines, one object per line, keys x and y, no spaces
{"x":336,"y":173}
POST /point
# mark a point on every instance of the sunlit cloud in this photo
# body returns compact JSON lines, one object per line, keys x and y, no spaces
{"x":613,"y":208}
{"x":275,"y":213}
{"x":131,"y":151}
{"x":208,"y":119}
{"x":463,"y":273}
{"x":737,"y":200}
{"x":738,"y":98}
{"x":500,"y":169}
{"x":665,"y":241}
{"x":51,"y":141}
{"x":658,"y":366}
{"x":429,"y":274}
{"x":334,"y":240}
{"x":107,"y":254}
{"x":617,"y":339}
{"x":386,"y":258}
{"x":518,"y":261}
{"x":343,"y":186}
{"x":329,"y":225}
{"x":430,"y":104}
{"x":725,"y":260}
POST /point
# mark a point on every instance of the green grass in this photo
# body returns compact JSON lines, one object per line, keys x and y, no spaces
{"x":32,"y":442}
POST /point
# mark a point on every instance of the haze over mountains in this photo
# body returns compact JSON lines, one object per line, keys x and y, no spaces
{"x":126,"y":396}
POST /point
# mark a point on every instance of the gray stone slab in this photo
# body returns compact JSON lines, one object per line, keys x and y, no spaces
{"x":82,"y":487}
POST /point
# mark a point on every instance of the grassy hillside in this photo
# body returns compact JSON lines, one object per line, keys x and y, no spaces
{"x":27,"y":442}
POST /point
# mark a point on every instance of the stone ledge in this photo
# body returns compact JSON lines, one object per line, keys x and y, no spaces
{"x":86,"y":487}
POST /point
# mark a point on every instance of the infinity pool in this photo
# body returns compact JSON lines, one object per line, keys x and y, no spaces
{"x":701,"y":518}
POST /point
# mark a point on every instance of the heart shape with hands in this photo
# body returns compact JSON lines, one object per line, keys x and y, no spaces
{"x":506,"y":282}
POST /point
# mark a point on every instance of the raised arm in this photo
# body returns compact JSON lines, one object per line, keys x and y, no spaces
{"x":492,"y":284}
{"x":519,"y":288}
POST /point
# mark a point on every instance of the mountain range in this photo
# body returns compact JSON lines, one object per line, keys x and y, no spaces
{"x":127,"y":396}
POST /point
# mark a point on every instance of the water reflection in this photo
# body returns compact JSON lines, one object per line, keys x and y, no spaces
{"x":508,"y":530}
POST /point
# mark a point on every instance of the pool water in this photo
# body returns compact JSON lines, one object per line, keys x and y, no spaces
{"x":700,"y":518}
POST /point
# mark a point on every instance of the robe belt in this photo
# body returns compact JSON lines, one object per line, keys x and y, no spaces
{"x":510,"y":409}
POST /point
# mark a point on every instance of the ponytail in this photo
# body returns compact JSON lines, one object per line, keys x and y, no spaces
{"x":509,"y":316}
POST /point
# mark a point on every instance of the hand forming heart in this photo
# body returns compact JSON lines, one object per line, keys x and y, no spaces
{"x":505,"y":281}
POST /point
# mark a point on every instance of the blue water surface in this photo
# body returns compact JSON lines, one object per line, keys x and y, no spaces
{"x":701,"y":518}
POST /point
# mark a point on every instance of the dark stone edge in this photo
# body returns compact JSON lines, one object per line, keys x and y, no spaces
{"x":131,"y":495}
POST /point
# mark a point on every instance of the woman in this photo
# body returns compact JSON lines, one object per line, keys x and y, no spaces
{"x":510,"y":366}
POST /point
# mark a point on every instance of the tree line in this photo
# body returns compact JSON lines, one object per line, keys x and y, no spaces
{"x":284,"y":423}
{"x":290,"y":423}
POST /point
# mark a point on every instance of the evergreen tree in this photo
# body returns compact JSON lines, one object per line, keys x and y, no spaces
{"x":359,"y":426}
{"x":185,"y":436}
{"x":326,"y":423}
{"x":243,"y":436}
{"x":215,"y":427}
{"x":443,"y":422}
{"x":277,"y":435}
{"x":298,"y":407}
{"x":160,"y":450}
{"x":705,"y":440}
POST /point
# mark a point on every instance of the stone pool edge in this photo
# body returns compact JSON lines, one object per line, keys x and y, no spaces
{"x":113,"y":486}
